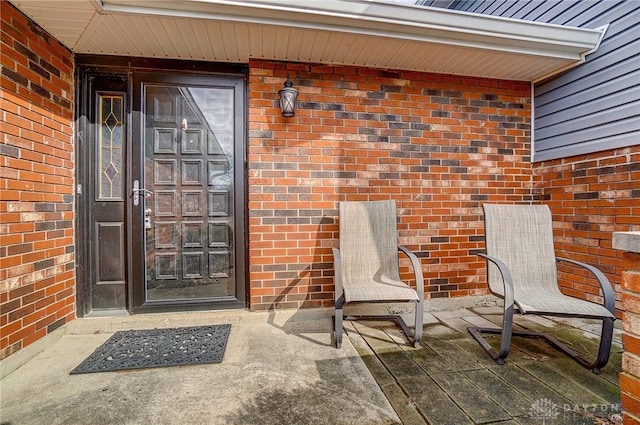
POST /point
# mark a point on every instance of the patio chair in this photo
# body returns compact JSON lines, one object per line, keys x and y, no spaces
{"x":366,"y":266}
{"x":522,"y":270}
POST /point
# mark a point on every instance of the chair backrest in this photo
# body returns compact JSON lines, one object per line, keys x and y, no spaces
{"x":369,"y":240}
{"x":521,"y":236}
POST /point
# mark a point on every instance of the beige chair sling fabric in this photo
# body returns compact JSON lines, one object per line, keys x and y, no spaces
{"x":521,"y":236}
{"x":369,"y":251}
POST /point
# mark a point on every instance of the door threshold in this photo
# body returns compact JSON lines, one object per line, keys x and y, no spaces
{"x":107,"y":313}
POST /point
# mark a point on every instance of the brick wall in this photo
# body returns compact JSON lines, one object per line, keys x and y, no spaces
{"x":630,"y":376}
{"x":37,"y":278}
{"x":591,"y":196}
{"x":440,"y":145}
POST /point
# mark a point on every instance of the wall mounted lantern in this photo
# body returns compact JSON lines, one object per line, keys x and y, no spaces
{"x":288,"y":99}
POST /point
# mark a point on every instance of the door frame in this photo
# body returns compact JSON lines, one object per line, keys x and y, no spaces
{"x":136,"y":70}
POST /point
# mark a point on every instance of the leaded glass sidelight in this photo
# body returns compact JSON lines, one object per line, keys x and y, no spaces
{"x":110,"y":144}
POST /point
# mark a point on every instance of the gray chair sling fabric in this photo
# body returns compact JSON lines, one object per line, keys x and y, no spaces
{"x":522,"y":269}
{"x":366,"y":263}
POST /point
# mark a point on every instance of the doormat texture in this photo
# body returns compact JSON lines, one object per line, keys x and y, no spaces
{"x":142,"y":349}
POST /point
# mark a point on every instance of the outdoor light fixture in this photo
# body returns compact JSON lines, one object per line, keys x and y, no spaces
{"x":288,"y":99}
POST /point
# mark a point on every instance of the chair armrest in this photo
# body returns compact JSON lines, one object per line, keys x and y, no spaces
{"x":506,"y":278}
{"x":337,"y":273}
{"x":417,"y":270}
{"x":608,"y":295}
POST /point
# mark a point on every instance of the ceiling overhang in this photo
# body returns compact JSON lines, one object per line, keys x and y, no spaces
{"x":366,"y":33}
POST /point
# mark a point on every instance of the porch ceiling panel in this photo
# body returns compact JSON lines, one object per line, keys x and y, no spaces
{"x":346,"y":32}
{"x":65,"y":20}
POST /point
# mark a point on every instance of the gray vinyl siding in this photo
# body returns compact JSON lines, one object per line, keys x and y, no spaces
{"x":596,"y":105}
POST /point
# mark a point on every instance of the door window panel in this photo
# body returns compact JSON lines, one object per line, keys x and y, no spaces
{"x":110,"y":143}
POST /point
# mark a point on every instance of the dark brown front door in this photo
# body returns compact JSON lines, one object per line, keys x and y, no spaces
{"x":187,"y":204}
{"x":161,"y":191}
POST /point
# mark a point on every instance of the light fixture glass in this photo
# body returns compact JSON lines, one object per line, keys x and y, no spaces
{"x":288,"y":99}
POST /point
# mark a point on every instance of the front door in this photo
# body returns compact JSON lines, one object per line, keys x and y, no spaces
{"x":187,"y":203}
{"x":161,"y":193}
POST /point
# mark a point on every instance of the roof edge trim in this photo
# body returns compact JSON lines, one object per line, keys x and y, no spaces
{"x":374,"y":17}
{"x":583,"y":57}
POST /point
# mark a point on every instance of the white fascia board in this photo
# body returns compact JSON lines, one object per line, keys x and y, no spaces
{"x":376,"y":18}
{"x":583,"y":57}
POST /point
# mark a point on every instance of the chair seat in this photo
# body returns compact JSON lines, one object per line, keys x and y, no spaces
{"x":557,"y":303}
{"x":387,"y":290}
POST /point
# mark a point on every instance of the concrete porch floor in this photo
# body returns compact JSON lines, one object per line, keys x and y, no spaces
{"x":280,"y":368}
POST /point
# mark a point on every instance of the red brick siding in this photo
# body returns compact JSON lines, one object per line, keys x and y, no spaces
{"x":37,"y":276}
{"x":630,"y":376}
{"x":439,"y":145}
{"x":591,"y":196}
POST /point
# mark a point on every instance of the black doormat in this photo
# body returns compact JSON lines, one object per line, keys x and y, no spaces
{"x":142,"y":349}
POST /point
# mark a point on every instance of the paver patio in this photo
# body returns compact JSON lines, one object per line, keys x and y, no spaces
{"x":451,"y":380}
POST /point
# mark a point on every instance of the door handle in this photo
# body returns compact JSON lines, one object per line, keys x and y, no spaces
{"x":137,"y":190}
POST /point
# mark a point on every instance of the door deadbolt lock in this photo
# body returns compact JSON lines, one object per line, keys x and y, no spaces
{"x":147,"y":218}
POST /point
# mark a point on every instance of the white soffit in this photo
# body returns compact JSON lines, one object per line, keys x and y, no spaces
{"x":367,"y":33}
